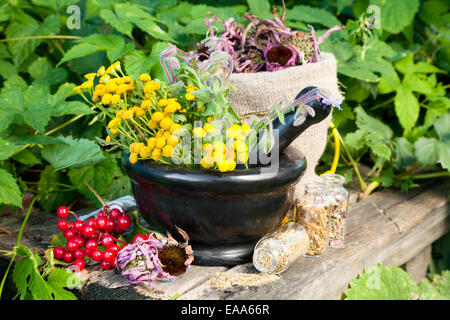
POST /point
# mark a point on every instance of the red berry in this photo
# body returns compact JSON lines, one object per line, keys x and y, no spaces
{"x":114,"y":213}
{"x":71,"y":225}
{"x":114,"y":248}
{"x":68,"y":256}
{"x":96,"y":255}
{"x":108,"y":255}
{"x":78,"y":225}
{"x":114,"y":264}
{"x":106,"y":265}
{"x":108,"y":240}
{"x":91,"y":245}
{"x":78,"y":265}
{"x":101,"y":213}
{"x":101,"y":223}
{"x":124,"y":222}
{"x":62,"y":225}
{"x":110,"y":224}
{"x":88,"y":253}
{"x":62,"y":212}
{"x":58,"y":253}
{"x":72,"y":245}
{"x":117,"y":231}
{"x":88,"y":231}
{"x":79,"y":240}
{"x":92,"y":223}
{"x":138,"y":236}
{"x":69,"y":234}
{"x":78,"y":254}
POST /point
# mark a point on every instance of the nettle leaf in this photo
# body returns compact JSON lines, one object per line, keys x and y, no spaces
{"x":407,"y":65}
{"x":425,"y":150}
{"x":10,"y":193}
{"x":50,"y":190}
{"x":7,"y":148}
{"x":11,"y":104}
{"x":35,"y":139}
{"x":443,"y":151}
{"x":260,"y":8}
{"x":38,"y":115}
{"x":371,"y":124}
{"x":98,"y":176}
{"x":114,"y":46}
{"x":25,"y":26}
{"x":396,"y":15}
{"x":380,"y":149}
{"x":312,"y":15}
{"x":404,"y":152}
{"x":379,"y":282}
{"x":442,"y":127}
{"x":26,"y":157}
{"x":418,"y":83}
{"x":406,"y":107}
{"x":59,"y":279}
{"x":354,"y":69}
{"x":127,"y":15}
{"x":75,"y":153}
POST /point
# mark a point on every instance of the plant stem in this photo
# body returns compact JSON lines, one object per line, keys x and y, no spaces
{"x":427,"y":175}
{"x":2,"y":229}
{"x":372,"y":186}
{"x":41,"y":37}
{"x":52,"y":131}
{"x":354,"y":164}
{"x":96,"y":195}
{"x":19,"y":237}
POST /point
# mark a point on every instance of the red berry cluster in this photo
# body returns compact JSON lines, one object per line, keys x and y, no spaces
{"x":84,"y":238}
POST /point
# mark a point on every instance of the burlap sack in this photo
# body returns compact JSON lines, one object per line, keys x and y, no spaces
{"x":256,"y":93}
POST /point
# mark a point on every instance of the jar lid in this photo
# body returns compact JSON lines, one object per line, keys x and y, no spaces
{"x":332,"y":178}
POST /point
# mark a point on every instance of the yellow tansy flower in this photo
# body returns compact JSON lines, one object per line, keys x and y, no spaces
{"x":144,"y":77}
{"x":167,"y":151}
{"x":106,"y":99}
{"x":151,"y":142}
{"x":160,"y":142}
{"x":199,"y":132}
{"x":152,"y":124}
{"x":122,"y":88}
{"x":209,"y":128}
{"x":101,"y":71}
{"x":223,"y":167}
{"x":145,"y":152}
{"x":133,"y":158}
{"x":157,"y":116}
{"x":156,"y":154}
{"x":166,"y":123}
{"x":146,"y":104}
{"x":115,"y":98}
{"x":189,"y":96}
{"x":245,"y":128}
{"x":108,"y":139}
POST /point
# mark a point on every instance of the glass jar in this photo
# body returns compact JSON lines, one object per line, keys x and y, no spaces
{"x":337,"y":196}
{"x":275,"y":252}
{"x":313,"y":215}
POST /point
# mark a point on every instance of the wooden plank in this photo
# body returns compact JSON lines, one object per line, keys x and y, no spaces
{"x":387,"y":227}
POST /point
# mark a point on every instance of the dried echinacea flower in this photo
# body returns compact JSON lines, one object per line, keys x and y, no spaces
{"x":145,"y":261}
{"x":176,"y":257}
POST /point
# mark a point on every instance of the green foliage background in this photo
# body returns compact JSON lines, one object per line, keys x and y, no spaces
{"x":396,"y":116}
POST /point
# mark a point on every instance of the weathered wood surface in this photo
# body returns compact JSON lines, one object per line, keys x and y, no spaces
{"x":388,"y":227}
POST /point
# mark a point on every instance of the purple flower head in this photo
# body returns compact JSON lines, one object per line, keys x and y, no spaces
{"x":139,"y":263}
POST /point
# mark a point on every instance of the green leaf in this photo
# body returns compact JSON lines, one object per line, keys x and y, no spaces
{"x":425,"y":150}
{"x":407,"y":65}
{"x":380,"y":149}
{"x":136,"y":62}
{"x":379,"y":282}
{"x":35,"y":139}
{"x":312,"y":15}
{"x":59,"y":279}
{"x":52,"y":191}
{"x":38,"y":116}
{"x":372,"y":125}
{"x":442,"y":127}
{"x":10,"y":193}
{"x":26,"y":157}
{"x":75,"y":153}
{"x":71,"y":107}
{"x":7,"y":148}
{"x":99,"y":178}
{"x":29,"y":281}
{"x":443,"y":151}
{"x":11,"y":104}
{"x":396,"y":15}
{"x":406,"y":107}
{"x":404,"y":152}
{"x":113,"y":45}
{"x":260,"y":8}
{"x":436,"y":289}
{"x":354,"y":69}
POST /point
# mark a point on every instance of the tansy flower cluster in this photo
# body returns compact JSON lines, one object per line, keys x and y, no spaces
{"x":146,"y":117}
